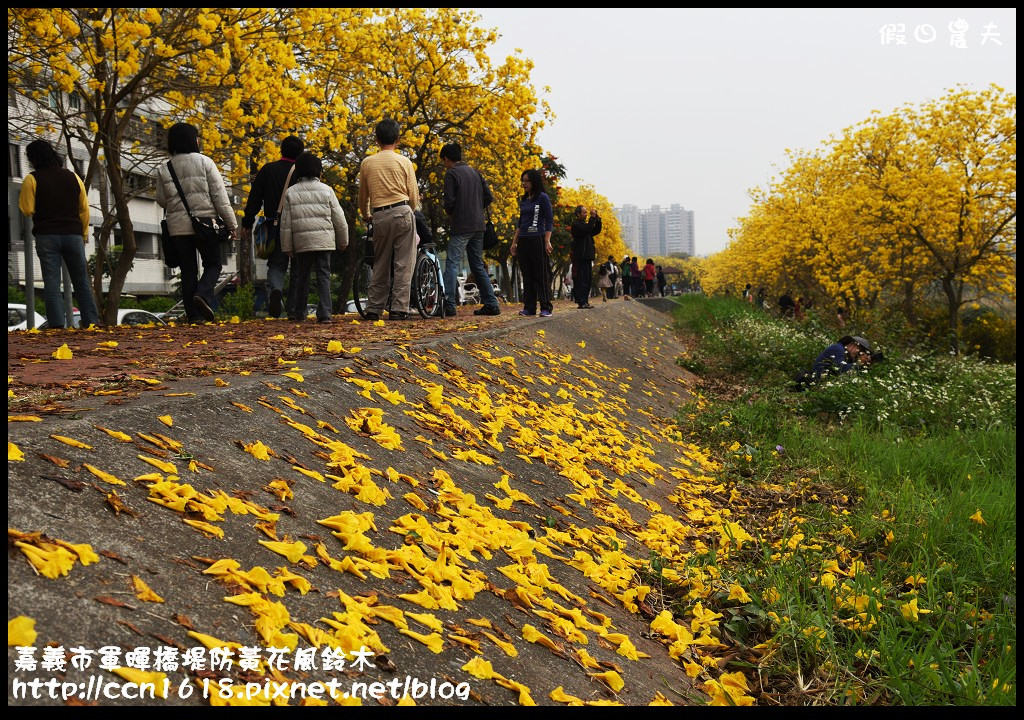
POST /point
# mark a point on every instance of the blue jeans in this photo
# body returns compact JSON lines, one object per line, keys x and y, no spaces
{"x":52,"y":250}
{"x":473,"y":245}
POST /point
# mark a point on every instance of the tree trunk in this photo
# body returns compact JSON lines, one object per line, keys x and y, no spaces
{"x":128,"y":247}
{"x":953,"y":308}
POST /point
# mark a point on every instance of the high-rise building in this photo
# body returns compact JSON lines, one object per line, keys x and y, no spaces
{"x":657,"y":232}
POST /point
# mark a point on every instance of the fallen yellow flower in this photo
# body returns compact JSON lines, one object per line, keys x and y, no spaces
{"x":610,"y":678}
{"x":72,"y":442}
{"x":144,"y":592}
{"x":292,"y":551}
{"x":21,"y":631}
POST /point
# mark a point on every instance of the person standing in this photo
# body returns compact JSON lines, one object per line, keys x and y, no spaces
{"x":465,"y":196}
{"x":636,"y":274}
{"x":660,"y":277}
{"x":207,"y":196}
{"x":583,"y":253}
{"x":55,"y":199}
{"x":312,"y":225}
{"x":626,"y":276}
{"x":265,"y":194}
{"x":536,"y":221}
{"x":387,"y":197}
{"x":604,"y":282}
{"x":650,"y":274}
{"x":613,"y":276}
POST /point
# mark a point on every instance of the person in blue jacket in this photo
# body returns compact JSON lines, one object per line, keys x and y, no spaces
{"x":849,"y":352}
{"x":531,"y":244}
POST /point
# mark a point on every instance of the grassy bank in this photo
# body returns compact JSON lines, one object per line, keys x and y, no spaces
{"x":882,"y":507}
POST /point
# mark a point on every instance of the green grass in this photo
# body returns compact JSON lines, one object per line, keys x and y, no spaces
{"x":881,"y":474}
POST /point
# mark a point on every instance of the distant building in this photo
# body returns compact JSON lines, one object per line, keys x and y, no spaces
{"x":657,"y":232}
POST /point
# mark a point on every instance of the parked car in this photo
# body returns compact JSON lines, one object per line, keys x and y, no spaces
{"x":125,"y":316}
{"x":17,"y":317}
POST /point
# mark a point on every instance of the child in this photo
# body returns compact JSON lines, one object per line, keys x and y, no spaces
{"x":312,"y":225}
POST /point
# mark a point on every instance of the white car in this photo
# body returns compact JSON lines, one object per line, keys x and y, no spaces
{"x":125,"y":316}
{"x":17,"y":317}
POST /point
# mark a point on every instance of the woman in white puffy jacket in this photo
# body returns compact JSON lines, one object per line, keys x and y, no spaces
{"x":312,"y":225}
{"x":203,"y":186}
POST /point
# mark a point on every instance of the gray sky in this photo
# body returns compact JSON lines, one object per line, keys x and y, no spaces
{"x":661,"y":106}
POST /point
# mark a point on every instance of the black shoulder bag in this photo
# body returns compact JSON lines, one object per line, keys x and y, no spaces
{"x":490,"y":234}
{"x":210,"y":230}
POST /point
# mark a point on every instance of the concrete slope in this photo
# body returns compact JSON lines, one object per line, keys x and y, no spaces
{"x":479,"y":509}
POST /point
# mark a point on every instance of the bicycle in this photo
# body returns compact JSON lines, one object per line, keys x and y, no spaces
{"x":427,"y":286}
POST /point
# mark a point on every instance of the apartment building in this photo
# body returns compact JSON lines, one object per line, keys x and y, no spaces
{"x":149,"y":276}
{"x":657,"y":232}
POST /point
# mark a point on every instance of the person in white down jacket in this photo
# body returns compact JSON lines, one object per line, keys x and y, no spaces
{"x":207,"y":196}
{"x":312,"y":225}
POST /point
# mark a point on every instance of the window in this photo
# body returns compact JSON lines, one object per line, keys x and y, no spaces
{"x":139,"y":184}
{"x":146,"y":245}
{"x":13,"y":160}
{"x":75,"y":101}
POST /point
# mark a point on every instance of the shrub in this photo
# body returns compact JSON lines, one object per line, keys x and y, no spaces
{"x":241,"y":302}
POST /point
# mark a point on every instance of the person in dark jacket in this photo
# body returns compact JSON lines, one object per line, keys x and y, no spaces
{"x":637,"y":279}
{"x":466,"y":195}
{"x":583,"y":253}
{"x":531,"y":244}
{"x":265,"y":195}
{"x":56,"y":200}
{"x":840,"y":357}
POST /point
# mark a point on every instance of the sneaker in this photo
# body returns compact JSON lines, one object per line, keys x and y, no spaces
{"x":487,"y":310}
{"x":371,"y":316}
{"x":274,"y":306}
{"x":588,"y":306}
{"x":527,"y":313}
{"x":325,"y":320}
{"x":545,"y":313}
{"x":204,"y":309}
{"x":450,"y":311}
{"x":398,"y":315}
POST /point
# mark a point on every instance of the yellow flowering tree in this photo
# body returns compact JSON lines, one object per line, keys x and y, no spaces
{"x":112,"y":78}
{"x":909,"y":209}
{"x":429,"y":70}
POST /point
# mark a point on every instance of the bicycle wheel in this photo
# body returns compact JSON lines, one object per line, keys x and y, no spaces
{"x":361,"y":286}
{"x":426,"y":282}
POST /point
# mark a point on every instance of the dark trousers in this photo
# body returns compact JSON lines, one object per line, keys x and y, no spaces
{"x":583,"y":282}
{"x":191,"y":283}
{"x":536,"y":267}
{"x":638,"y":286}
{"x":279,"y":265}
{"x":304,"y":264}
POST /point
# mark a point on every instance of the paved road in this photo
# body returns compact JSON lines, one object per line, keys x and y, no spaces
{"x":435,"y":490}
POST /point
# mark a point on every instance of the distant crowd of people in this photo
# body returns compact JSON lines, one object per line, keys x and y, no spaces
{"x":301,"y":216}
